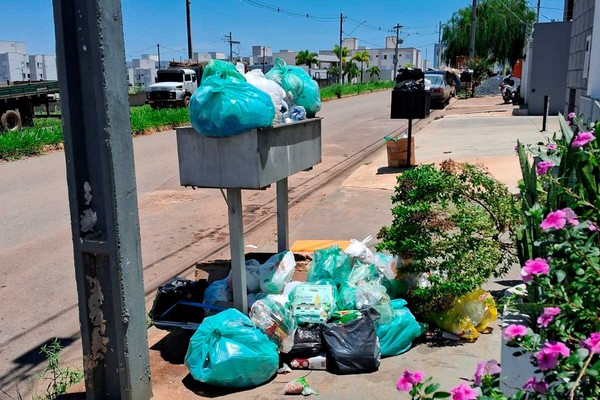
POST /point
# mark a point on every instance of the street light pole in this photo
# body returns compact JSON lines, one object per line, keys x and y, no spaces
{"x":341,"y":51}
{"x":189,"y":27}
{"x":397,"y":28}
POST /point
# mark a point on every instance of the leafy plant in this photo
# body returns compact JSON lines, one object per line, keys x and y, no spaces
{"x":305,"y":57}
{"x":351,"y":71}
{"x":56,"y":378}
{"x":374,"y":71}
{"x":449,"y":224}
{"x":363,"y":58}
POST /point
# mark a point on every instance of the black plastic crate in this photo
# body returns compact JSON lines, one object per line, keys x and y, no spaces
{"x":414,"y":104}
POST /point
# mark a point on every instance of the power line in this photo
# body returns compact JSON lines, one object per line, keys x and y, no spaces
{"x":280,"y":10}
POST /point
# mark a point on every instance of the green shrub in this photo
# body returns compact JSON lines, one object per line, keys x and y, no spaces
{"x":449,"y":224}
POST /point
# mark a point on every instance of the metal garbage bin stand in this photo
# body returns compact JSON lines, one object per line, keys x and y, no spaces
{"x":252,"y":160}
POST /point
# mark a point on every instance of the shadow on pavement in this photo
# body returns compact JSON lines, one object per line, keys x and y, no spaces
{"x":173,"y":347}
{"x":391,"y":171}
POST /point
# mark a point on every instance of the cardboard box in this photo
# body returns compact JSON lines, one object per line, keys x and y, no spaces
{"x":397,"y":152}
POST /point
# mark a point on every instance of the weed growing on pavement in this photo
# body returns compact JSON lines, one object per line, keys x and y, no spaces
{"x":56,"y":379}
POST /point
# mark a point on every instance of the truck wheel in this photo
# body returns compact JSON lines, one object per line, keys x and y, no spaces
{"x":186,"y":101}
{"x":11,"y":121}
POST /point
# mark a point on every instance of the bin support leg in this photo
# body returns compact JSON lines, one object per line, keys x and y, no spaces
{"x":236,"y":245}
{"x":409,"y":149}
{"x":283,"y":229}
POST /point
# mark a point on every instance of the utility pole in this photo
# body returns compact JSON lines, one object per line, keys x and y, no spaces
{"x":438,"y":55}
{"x":158,"y":51}
{"x":397,"y":28}
{"x":231,"y":43}
{"x":263,"y":59}
{"x":537,"y":14}
{"x":189,"y":27}
{"x":473,"y":18}
{"x":341,"y":50}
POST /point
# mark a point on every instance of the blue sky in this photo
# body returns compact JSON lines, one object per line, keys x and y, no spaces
{"x":147,"y":22}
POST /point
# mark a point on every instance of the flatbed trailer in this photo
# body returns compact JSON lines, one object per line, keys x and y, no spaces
{"x":19,"y":99}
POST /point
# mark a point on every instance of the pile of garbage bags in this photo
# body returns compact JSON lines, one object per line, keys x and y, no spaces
{"x":343,"y":319}
{"x":229,"y":102}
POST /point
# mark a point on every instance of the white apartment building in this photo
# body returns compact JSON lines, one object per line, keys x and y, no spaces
{"x":17,"y":65}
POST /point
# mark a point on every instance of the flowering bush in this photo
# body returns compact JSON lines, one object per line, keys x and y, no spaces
{"x":559,"y":249}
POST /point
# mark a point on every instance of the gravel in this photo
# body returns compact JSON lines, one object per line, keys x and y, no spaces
{"x":489,"y":87}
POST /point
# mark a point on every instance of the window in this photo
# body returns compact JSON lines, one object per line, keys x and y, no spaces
{"x":385,"y":56}
{"x":586,"y":60}
{"x":188,"y":77}
{"x":193,"y":78}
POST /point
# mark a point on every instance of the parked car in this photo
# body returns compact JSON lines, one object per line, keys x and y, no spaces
{"x":441,"y":90}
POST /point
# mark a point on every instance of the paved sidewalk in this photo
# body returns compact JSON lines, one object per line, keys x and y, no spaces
{"x":473,"y":130}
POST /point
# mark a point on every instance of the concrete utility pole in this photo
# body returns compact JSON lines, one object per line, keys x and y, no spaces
{"x":189,"y":28}
{"x":537,"y":14}
{"x":397,"y":28}
{"x":341,"y":49}
{"x":473,"y":22}
{"x":102,"y":198}
{"x":158,"y":51}
{"x":438,"y":56}
{"x":231,"y":43}
{"x":263,"y":59}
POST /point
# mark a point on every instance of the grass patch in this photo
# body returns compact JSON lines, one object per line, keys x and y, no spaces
{"x":48,"y":131}
{"x":347,"y":89}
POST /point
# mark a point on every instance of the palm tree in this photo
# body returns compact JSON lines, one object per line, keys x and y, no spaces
{"x":336,"y":51}
{"x":305,"y":57}
{"x":351,"y":70}
{"x":374,"y":71}
{"x":362,"y":57}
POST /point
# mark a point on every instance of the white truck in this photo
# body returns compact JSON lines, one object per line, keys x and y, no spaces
{"x":173,"y":88}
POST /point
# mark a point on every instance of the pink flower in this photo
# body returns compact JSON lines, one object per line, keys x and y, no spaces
{"x":547,"y":316}
{"x":538,"y":266}
{"x":543,"y":167}
{"x":568,"y":123}
{"x":513,"y":331}
{"x":582,"y":139}
{"x":490,"y":367}
{"x":591,"y":226}
{"x":570,"y":216}
{"x":592,"y":343}
{"x":552,"y":147}
{"x":548,"y":356}
{"x":572,"y":115}
{"x":517,"y":147}
{"x":408,"y":379}
{"x":463,"y":392}
{"x":554,"y":220}
{"x":535,"y":385}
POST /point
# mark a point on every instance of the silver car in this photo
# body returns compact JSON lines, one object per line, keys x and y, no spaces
{"x":440,"y":89}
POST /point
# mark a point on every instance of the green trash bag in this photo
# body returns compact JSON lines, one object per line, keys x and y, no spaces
{"x":330,"y":263}
{"x":360,"y":274}
{"x":397,"y":336}
{"x":372,"y":294}
{"x":222,"y":69}
{"x":228,"y":350}
{"x":229,"y":106}
{"x":297,"y":82}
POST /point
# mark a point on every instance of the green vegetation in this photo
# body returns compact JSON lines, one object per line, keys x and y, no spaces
{"x":305,"y":57}
{"x":502,"y":27}
{"x":57,"y":379}
{"x":348,"y":89}
{"x":48,"y":132}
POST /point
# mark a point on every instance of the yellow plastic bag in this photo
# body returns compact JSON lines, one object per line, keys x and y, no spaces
{"x":479,"y":306}
{"x":470,"y":314}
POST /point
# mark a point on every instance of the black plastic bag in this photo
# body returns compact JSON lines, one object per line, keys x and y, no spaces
{"x":308,"y":342}
{"x":168,"y":312}
{"x":354,"y":347}
{"x":409,"y":74}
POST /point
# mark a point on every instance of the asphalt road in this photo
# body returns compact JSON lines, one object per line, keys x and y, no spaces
{"x":178,"y":226}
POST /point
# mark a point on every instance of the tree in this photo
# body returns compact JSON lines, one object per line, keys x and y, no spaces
{"x":502,"y":28}
{"x":305,"y":57}
{"x":351,"y":71}
{"x":374,"y":71}
{"x":362,"y":58}
{"x":336,"y":51}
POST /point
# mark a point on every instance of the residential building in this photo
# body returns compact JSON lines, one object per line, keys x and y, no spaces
{"x":202,"y":57}
{"x":17,"y":65}
{"x":215,"y":55}
{"x":288,"y":56}
{"x":262,"y":57}
{"x":583,"y":80}
{"x":42,"y":67}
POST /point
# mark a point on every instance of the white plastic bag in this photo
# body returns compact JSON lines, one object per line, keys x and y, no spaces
{"x":386,"y":264}
{"x":252,"y":277}
{"x":276,"y":272}
{"x":360,"y":251}
{"x":257,"y":79}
